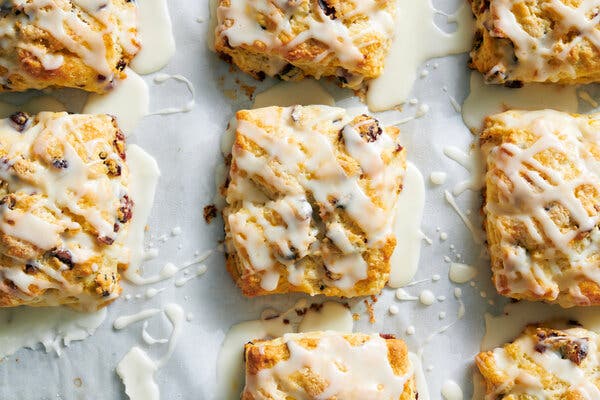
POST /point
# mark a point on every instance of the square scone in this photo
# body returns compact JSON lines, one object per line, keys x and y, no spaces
{"x":543,"y":363}
{"x":542,"y":205}
{"x":344,"y":39}
{"x":67,"y":43}
{"x":329,"y":365}
{"x":520,"y":41}
{"x":64,"y":210}
{"x":310,"y":201}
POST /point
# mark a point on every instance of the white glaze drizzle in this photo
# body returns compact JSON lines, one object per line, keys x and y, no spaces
{"x":168,"y":271}
{"x":407,"y":227}
{"x":332,"y":316}
{"x":451,"y":390}
{"x":473,"y":163}
{"x":461,"y":273}
{"x":416,"y":20}
{"x":156,"y":37}
{"x":126,"y":320}
{"x":161,"y":78}
{"x":201,"y":270}
{"x":142,"y":185}
{"x":427,"y":298}
{"x":53,"y":327}
{"x":148,"y":339}
{"x":438,"y":177}
{"x":476,"y":233}
{"x":532,"y":187}
{"x":484,"y":100}
{"x":136,"y":369}
{"x":128,"y":102}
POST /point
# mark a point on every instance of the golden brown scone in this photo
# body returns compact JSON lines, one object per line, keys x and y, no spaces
{"x":310,"y":200}
{"x":68,"y":43}
{"x":543,"y":364}
{"x":64,"y":210}
{"x":328,"y":365}
{"x":542,"y":205}
{"x":519,"y":41}
{"x":292,"y":39}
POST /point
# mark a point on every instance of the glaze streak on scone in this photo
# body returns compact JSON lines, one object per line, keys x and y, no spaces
{"x":542,"y":205}
{"x":520,"y":41}
{"x":294,"y":38}
{"x":310,"y":201}
{"x":543,"y":363}
{"x":64,"y":210}
{"x":328,"y":365}
{"x":72,"y":43}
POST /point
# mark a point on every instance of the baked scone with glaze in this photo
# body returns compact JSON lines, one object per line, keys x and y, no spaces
{"x":519,"y":41}
{"x":64,"y":210}
{"x":310,"y":201}
{"x":542,"y":205}
{"x":543,"y":364}
{"x":345,"y":39}
{"x":329,"y":365}
{"x":69,"y":43}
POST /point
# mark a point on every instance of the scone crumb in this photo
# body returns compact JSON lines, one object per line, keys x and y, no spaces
{"x":210,"y":212}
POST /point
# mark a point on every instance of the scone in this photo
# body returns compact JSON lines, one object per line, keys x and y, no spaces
{"x":543,"y":364}
{"x":542,"y":205}
{"x":291,"y":39}
{"x":310,"y":200}
{"x":328,"y":365}
{"x":519,"y":41}
{"x":64,"y":210}
{"x":68,"y":43}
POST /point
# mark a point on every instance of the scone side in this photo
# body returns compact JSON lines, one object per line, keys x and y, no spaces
{"x":378,"y":275}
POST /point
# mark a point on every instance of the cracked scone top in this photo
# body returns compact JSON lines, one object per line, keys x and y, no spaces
{"x":542,"y":205}
{"x":328,"y":365}
{"x":543,"y":363}
{"x":83,"y":44}
{"x":520,"y":41}
{"x":346,"y":39}
{"x":64,"y":210}
{"x":310,"y":201}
